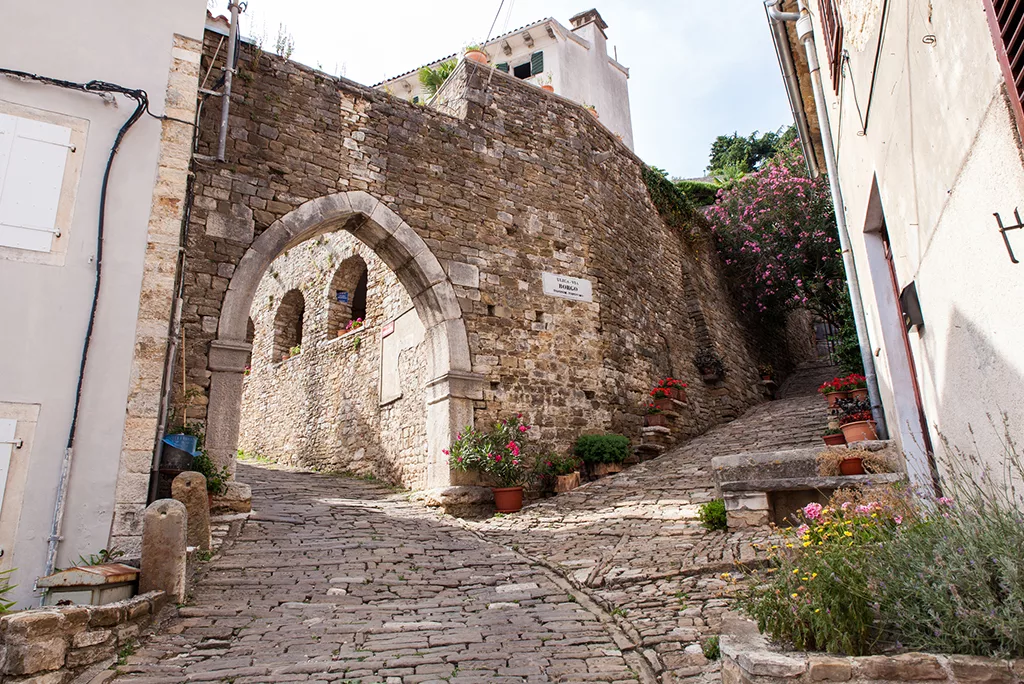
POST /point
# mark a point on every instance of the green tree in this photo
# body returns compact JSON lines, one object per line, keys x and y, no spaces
{"x":433,"y":78}
{"x":735,"y":155}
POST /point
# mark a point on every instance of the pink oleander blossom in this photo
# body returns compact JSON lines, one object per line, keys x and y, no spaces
{"x":812,"y":511}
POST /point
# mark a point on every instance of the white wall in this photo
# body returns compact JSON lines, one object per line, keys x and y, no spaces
{"x":45,"y":308}
{"x":942,"y":143}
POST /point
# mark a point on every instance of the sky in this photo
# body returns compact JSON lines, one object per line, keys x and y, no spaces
{"x":698,"y":68}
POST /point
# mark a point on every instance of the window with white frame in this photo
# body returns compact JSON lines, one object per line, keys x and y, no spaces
{"x":33,"y":157}
{"x":7,"y":445}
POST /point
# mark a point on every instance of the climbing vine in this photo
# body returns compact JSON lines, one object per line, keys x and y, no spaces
{"x":675,"y":209}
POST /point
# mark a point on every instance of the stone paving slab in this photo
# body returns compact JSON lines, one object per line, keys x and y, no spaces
{"x":372,"y":588}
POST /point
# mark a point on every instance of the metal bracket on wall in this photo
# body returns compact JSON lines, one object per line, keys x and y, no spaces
{"x":1003,"y":229}
{"x":16,"y":443}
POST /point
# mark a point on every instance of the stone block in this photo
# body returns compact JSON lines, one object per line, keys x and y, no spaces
{"x":976,"y":669}
{"x":746,"y":501}
{"x":80,"y":657}
{"x":190,"y":489}
{"x":91,"y":638}
{"x":35,"y":655}
{"x":163,"y":549}
{"x":237,"y":498}
{"x":763,"y":663}
{"x":237,"y":226}
{"x":466,"y":275}
{"x":826,"y":669}
{"x":33,"y":624}
{"x":905,"y":667}
{"x":106,"y":615}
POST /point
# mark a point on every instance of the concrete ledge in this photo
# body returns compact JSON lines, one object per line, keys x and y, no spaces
{"x":750,"y":658}
{"x":796,"y":484}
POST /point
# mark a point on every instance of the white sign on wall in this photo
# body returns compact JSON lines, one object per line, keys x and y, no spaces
{"x":567,"y":287}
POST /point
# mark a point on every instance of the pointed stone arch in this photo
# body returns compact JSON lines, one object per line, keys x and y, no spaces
{"x":453,"y":386}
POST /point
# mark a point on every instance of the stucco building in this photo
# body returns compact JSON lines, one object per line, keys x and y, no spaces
{"x":55,"y":142}
{"x":926,"y":120}
{"x":574,"y":61}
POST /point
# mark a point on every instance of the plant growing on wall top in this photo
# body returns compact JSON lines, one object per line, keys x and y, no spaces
{"x":673,"y":206}
{"x":432,"y":78}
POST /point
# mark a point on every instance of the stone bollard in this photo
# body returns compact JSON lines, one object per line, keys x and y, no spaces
{"x":190,"y":489}
{"x":163,"y":549}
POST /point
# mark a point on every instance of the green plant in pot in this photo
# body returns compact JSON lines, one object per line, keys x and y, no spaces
{"x":498,"y":454}
{"x":562,"y":471}
{"x":603,"y":454}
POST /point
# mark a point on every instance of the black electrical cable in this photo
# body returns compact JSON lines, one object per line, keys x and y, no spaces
{"x":141,"y":99}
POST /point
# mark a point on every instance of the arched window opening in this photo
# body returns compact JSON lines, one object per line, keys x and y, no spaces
{"x":250,"y":335}
{"x":288,"y":324}
{"x":347,"y":296}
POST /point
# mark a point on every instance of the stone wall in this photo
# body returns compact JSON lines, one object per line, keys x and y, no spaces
{"x":748,"y":659}
{"x":525,"y":183}
{"x":322,"y":408}
{"x":53,"y":645}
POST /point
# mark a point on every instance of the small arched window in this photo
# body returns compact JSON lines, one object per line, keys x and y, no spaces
{"x":347,"y":295}
{"x":288,"y":323}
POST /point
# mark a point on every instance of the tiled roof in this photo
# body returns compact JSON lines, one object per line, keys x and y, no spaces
{"x":445,"y":59}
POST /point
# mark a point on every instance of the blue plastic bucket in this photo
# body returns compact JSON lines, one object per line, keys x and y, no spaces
{"x":184,"y":442}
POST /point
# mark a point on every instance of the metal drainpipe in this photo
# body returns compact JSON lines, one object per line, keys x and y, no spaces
{"x":805,"y":32}
{"x":776,"y":17}
{"x":229,"y":71}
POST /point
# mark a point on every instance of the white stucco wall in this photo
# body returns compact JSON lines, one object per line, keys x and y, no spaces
{"x":576,"y":64}
{"x":942,"y":143}
{"x":45,"y":308}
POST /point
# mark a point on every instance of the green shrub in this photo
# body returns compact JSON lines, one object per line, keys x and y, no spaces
{"x":698,"y":192}
{"x":216,"y":480}
{"x":602,"y":448}
{"x":711,"y":648}
{"x":712,"y":515}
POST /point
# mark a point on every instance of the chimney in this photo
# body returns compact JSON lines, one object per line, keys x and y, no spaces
{"x":591,"y":16}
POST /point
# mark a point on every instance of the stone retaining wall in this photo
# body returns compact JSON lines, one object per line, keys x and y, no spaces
{"x":748,"y":659}
{"x":53,"y":645}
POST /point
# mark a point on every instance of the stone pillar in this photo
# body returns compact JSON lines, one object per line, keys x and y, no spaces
{"x":190,"y":489}
{"x":163,"y":549}
{"x":224,"y":413}
{"x":449,"y":409}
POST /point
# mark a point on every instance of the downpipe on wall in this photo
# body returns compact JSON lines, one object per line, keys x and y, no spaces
{"x":229,"y":72}
{"x":805,"y":32}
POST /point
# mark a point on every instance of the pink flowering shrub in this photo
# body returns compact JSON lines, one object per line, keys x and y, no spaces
{"x":498,"y":453}
{"x":776,"y":236}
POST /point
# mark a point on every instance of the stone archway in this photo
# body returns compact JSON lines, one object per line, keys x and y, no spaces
{"x":453,"y":386}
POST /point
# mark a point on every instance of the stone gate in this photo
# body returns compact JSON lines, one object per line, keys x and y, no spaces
{"x":470,"y":201}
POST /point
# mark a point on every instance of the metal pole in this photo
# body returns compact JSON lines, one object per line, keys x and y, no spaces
{"x":805,"y":31}
{"x":229,"y":71}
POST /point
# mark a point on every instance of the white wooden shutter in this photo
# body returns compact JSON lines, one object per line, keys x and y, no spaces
{"x":32,"y":159}
{"x":7,"y":427}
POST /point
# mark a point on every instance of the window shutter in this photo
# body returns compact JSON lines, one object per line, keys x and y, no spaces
{"x":7,"y":427}
{"x":832,"y":25}
{"x":1005,"y":19}
{"x":502,"y":67}
{"x":32,"y":159}
{"x":537,"y":63}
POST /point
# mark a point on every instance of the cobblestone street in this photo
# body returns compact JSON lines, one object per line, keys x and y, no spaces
{"x":335,"y":579}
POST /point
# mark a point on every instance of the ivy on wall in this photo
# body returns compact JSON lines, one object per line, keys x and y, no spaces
{"x":675,"y":208}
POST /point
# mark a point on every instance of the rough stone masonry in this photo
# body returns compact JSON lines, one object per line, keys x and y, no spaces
{"x":497,"y":184}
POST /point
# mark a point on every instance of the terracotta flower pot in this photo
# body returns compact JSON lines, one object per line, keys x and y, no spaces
{"x":859,"y":431}
{"x":851,"y":466}
{"x":480,"y":57}
{"x":594,"y":112}
{"x":834,"y":397}
{"x":657,"y":420}
{"x":549,"y":88}
{"x":678,"y":393}
{"x":710,"y":376}
{"x":567,"y":483}
{"x":285,"y":357}
{"x":859,"y":394}
{"x":766,"y":378}
{"x":834,"y":440}
{"x":603,"y":469}
{"x":508,"y":499}
{"x":664,"y":403}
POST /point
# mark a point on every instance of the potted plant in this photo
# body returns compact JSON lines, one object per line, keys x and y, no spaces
{"x":833,"y":391}
{"x":592,"y":109}
{"x":564,"y":469}
{"x":655,"y":417}
{"x":603,"y":454}
{"x":662,"y":398}
{"x":857,"y":386}
{"x":476,"y":54}
{"x":544,"y":81}
{"x":856,"y":422}
{"x":833,"y":436}
{"x":832,"y":462}
{"x":295,"y":351}
{"x":499,"y":455}
{"x":709,"y":364}
{"x":766,"y":371}
{"x":676,"y":388}
{"x":355,"y":324}
{"x":285,"y":356}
